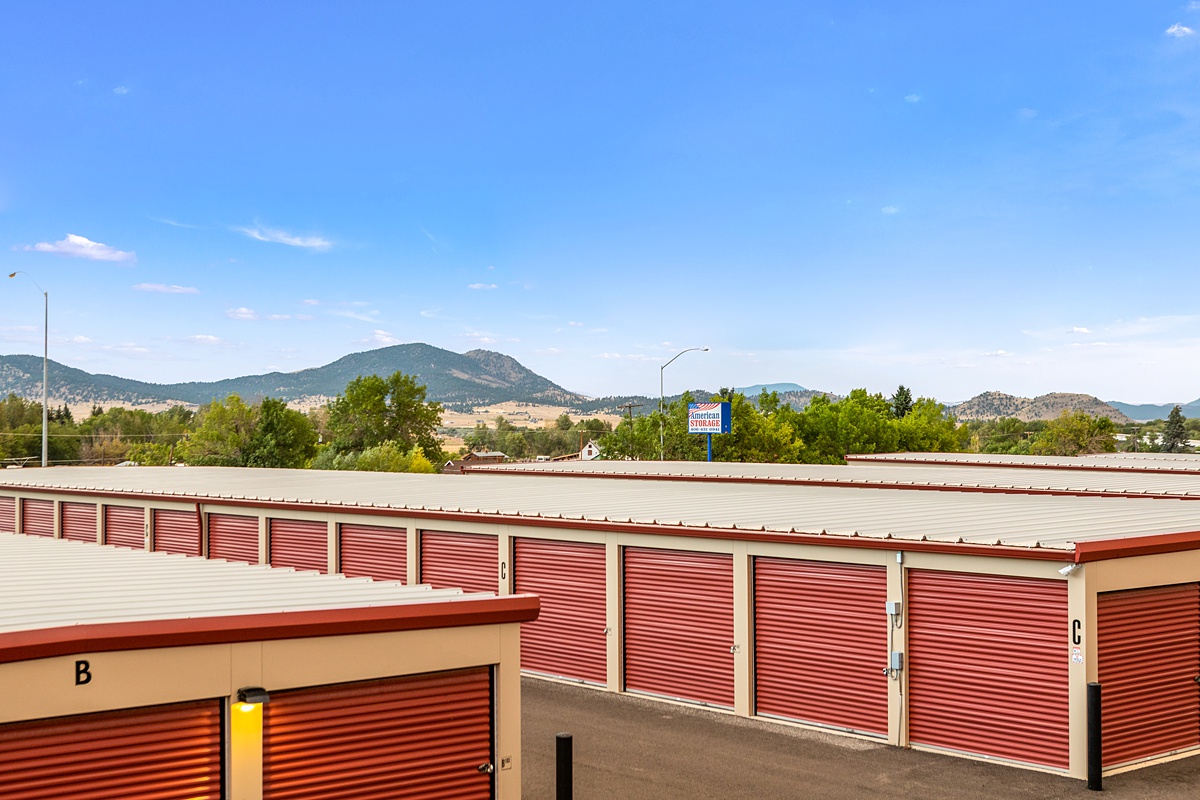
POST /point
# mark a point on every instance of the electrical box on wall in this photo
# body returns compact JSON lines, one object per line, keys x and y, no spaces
{"x":894,"y":608}
{"x":897,"y":662}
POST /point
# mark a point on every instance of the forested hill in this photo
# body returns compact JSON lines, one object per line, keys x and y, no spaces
{"x":458,"y":380}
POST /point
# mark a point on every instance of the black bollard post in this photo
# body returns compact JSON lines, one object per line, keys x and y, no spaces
{"x":564,"y":779}
{"x":1095,"y":755}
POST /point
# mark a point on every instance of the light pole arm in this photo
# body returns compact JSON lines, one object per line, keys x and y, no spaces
{"x":662,"y":435}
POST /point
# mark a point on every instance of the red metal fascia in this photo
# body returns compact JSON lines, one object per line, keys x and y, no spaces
{"x":153,"y":634}
{"x":916,"y":487}
{"x":1008,"y":465}
{"x":1155,"y":544}
{"x":737,"y":534}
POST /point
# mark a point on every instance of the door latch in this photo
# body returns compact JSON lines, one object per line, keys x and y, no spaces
{"x":733,"y":648}
{"x":486,"y":768}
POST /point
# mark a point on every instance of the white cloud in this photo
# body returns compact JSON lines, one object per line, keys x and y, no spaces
{"x":1194,"y":5}
{"x":241,"y":313}
{"x":370,"y":316}
{"x":278,"y":317}
{"x":1078,"y":329}
{"x":481,"y":286}
{"x":282,"y":237}
{"x":381,"y":337}
{"x":1027,"y":113}
{"x":482,"y":338}
{"x":121,"y":90}
{"x":305,"y":317}
{"x":174,"y":223}
{"x":311,"y":302}
{"x":204,"y":338}
{"x":80,"y":340}
{"x":76,"y":246}
{"x":912,"y":98}
{"x":890,"y":209}
{"x":1000,"y":353}
{"x":163,"y":288}
{"x":549,"y":351}
{"x":574,"y":324}
{"x":1179,"y":31}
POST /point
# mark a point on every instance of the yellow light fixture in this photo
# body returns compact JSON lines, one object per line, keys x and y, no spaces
{"x":251,"y":698}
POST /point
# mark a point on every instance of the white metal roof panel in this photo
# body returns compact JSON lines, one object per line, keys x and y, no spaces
{"x":965,"y":517}
{"x":51,"y":583}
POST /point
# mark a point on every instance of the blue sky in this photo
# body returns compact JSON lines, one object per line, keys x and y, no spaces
{"x":948,"y":196}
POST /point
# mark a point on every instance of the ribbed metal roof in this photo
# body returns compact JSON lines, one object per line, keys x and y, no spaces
{"x":953,"y":517}
{"x":53,"y":583}
{"x":933,"y":476}
{"x":1130,"y":462}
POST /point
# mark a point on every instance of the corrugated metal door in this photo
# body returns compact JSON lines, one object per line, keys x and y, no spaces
{"x":79,"y":521}
{"x":233,"y":537}
{"x":37,"y":517}
{"x":157,"y":753}
{"x":1149,"y":656}
{"x":419,"y":738}
{"x":821,"y":642}
{"x":177,"y":532}
{"x":679,"y":624}
{"x":988,"y":665}
{"x":463,"y":560}
{"x":373,"y":551}
{"x":568,"y":638}
{"x":8,"y":515}
{"x":302,"y":544}
{"x":125,"y":526}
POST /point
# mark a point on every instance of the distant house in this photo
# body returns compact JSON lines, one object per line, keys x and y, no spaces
{"x":590,"y":451}
{"x":486,"y":457}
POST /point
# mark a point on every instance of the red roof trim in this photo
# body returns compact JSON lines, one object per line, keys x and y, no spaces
{"x":153,"y":634}
{"x":1154,"y":544}
{"x":1019,"y":465}
{"x":848,"y":484}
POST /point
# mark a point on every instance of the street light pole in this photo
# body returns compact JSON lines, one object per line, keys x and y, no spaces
{"x":662,"y":436}
{"x":45,"y":365}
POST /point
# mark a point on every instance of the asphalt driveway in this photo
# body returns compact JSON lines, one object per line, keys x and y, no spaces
{"x":638,"y":749}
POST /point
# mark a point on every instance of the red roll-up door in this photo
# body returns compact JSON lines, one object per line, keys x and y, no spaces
{"x":157,"y":753}
{"x":233,"y":537}
{"x":297,"y":543}
{"x":988,"y":665}
{"x":177,"y":532}
{"x":8,"y":515}
{"x":679,"y":624}
{"x":461,"y":560}
{"x":821,"y":642}
{"x":125,"y":526}
{"x":419,"y":738}
{"x":1149,"y":656}
{"x":79,"y":521}
{"x":373,"y":551}
{"x":567,"y":639}
{"x":37,"y":517}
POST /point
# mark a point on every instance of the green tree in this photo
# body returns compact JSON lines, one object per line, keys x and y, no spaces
{"x":282,"y":437}
{"x":374,"y":410}
{"x":902,"y":402}
{"x":223,"y":437}
{"x":926,"y":428}
{"x":1174,"y":435}
{"x":1075,"y":433}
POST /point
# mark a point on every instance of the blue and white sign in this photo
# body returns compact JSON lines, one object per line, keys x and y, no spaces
{"x":709,"y":418}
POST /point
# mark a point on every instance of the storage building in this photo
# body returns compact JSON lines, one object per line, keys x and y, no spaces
{"x":964,"y":614}
{"x":131,"y":675}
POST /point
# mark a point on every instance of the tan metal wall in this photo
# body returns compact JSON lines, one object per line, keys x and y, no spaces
{"x":47,"y":687}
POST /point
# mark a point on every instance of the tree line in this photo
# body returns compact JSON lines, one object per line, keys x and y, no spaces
{"x":380,"y":424}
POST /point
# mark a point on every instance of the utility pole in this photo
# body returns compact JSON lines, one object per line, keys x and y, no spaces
{"x":630,"y":407}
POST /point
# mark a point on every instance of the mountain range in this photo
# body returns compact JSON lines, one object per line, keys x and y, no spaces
{"x":464,"y":381}
{"x":457,"y":380}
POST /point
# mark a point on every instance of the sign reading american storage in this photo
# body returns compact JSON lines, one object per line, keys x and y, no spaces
{"x":709,"y":418}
